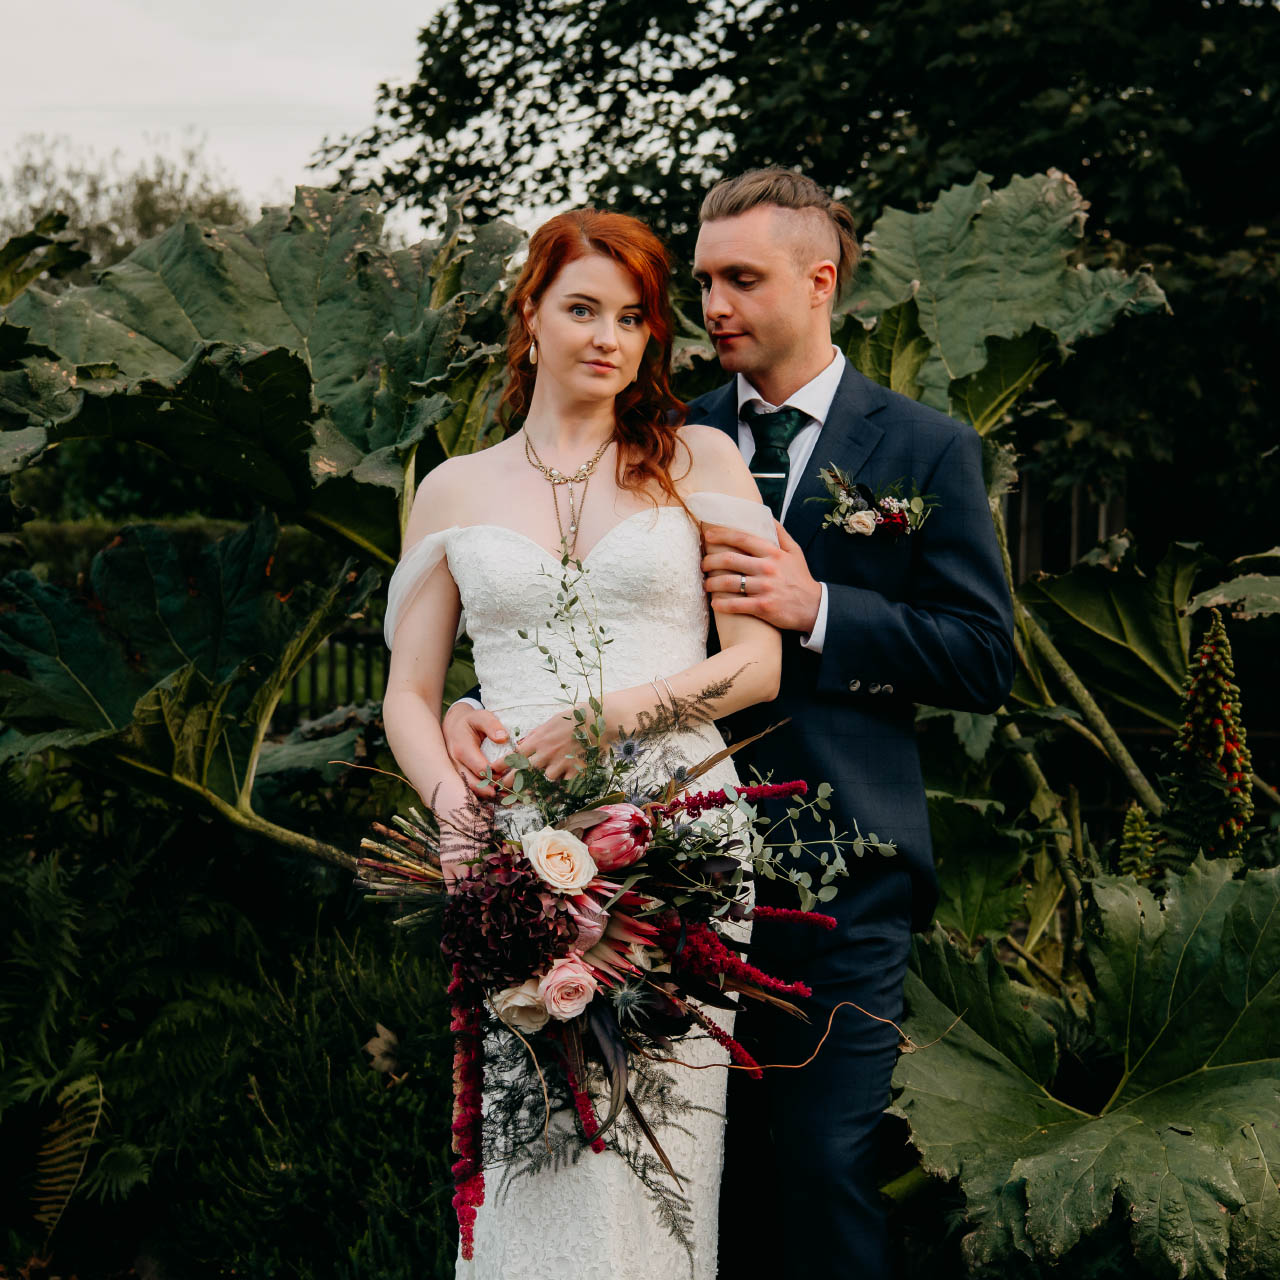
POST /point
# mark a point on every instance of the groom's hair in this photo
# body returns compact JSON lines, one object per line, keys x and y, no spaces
{"x":786,"y":189}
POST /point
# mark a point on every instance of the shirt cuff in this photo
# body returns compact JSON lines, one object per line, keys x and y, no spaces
{"x":813,"y":641}
{"x":473,"y":702}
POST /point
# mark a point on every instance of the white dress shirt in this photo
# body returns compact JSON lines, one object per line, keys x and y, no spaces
{"x":813,"y":399}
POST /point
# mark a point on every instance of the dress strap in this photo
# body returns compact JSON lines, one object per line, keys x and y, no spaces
{"x":745,"y":514}
{"x":415,"y":567}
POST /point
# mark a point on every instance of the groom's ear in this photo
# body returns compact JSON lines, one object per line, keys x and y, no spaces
{"x":822,"y":283}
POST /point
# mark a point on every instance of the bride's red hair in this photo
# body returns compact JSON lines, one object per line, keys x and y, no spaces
{"x":647,"y":411}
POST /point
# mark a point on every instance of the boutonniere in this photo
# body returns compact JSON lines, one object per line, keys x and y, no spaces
{"x":857,"y":508}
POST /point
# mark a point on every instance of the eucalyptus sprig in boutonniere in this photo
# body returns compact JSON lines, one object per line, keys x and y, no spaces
{"x":857,"y":508}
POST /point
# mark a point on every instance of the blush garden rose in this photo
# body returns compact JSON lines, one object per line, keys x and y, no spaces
{"x":567,"y":988}
{"x":562,"y":861}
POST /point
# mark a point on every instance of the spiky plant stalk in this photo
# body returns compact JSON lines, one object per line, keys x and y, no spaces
{"x":1213,"y":785}
{"x":1136,"y":855}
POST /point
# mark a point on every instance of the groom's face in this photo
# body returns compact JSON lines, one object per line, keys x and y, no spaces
{"x":756,"y":299}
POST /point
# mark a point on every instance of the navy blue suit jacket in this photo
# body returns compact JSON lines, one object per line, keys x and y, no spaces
{"x":919,"y":618}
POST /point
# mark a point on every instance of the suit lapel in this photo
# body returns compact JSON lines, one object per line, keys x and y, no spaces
{"x":848,"y":438}
{"x":718,"y":408}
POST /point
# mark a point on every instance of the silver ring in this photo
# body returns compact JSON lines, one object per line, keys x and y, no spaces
{"x":742,"y":584}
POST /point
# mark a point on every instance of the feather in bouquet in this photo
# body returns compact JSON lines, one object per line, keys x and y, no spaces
{"x":598,"y":931}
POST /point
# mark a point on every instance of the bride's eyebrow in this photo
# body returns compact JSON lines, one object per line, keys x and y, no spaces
{"x":595,"y":302}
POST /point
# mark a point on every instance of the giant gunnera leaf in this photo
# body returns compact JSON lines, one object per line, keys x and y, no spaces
{"x":1181,"y":1133}
{"x":169,"y":665}
{"x":299,"y":359}
{"x":965,"y":304}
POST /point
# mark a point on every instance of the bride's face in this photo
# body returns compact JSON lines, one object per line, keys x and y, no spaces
{"x":590,"y":328}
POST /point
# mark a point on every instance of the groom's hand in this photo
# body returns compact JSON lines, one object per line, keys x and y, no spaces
{"x":779,"y":587}
{"x":466,"y":726}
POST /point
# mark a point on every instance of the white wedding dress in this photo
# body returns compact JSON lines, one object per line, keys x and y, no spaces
{"x":592,"y":1219}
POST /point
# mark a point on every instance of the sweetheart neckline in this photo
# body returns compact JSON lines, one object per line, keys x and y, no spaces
{"x":595,"y":546}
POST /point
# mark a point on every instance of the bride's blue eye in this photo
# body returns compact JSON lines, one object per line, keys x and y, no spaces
{"x":633,"y":319}
{"x":578,"y":306}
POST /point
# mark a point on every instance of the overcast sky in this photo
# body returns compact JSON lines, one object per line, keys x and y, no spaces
{"x":261,"y":81}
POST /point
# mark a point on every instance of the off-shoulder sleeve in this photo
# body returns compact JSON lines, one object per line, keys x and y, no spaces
{"x":737,"y":513}
{"x":415,"y":567}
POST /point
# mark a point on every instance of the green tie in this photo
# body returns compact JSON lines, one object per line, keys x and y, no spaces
{"x":770,"y":463}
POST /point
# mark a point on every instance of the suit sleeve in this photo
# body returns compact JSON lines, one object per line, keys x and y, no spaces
{"x":949,"y":641}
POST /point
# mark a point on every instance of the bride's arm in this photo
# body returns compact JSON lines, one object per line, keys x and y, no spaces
{"x":747,"y":669}
{"x":421,"y":652}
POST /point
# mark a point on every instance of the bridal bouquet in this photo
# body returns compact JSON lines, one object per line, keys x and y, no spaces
{"x":599,"y":926}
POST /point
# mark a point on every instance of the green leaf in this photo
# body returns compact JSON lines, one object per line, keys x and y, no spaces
{"x":978,"y":870}
{"x":60,"y":256}
{"x":1248,"y":595}
{"x":995,"y":291}
{"x":892,"y":349}
{"x":1185,"y":1148}
{"x":172,"y":666}
{"x":1124,"y":632}
{"x":299,"y":359}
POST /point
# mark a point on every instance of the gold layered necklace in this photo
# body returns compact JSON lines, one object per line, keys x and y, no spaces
{"x":556,"y":478}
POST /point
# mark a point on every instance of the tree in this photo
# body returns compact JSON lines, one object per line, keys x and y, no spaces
{"x":1168,"y":124}
{"x":111,"y":208}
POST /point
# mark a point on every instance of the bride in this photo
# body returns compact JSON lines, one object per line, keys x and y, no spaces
{"x":598,"y":469}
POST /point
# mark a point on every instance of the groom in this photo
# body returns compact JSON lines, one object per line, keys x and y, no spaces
{"x":872,"y":624}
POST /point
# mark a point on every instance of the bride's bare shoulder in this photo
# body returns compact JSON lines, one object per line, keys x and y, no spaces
{"x":715,"y":463}
{"x":453,"y":491}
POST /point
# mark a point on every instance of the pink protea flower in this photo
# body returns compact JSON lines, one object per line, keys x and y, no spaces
{"x":611,"y":955}
{"x":621,"y":839}
{"x":591,"y":919}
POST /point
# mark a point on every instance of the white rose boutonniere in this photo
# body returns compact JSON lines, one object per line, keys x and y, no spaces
{"x":856,"y":508}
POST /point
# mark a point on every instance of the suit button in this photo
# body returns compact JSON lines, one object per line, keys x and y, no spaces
{"x":886,"y":688}
{"x":855,"y":685}
{"x":873,"y":688}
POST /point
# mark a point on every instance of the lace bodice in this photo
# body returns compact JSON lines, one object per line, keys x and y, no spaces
{"x":642,"y":582}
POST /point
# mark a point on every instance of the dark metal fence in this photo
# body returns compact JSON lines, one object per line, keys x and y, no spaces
{"x":351,"y":666}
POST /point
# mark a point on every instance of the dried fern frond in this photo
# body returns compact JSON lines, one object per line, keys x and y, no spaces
{"x":65,"y":1150}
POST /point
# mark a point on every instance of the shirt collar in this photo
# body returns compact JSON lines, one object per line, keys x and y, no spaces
{"x":814,"y":398}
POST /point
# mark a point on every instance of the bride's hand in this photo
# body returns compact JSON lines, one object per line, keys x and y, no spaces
{"x":552,"y":746}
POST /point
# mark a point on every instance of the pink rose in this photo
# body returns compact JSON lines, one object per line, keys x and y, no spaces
{"x":621,"y":839}
{"x":567,"y":988}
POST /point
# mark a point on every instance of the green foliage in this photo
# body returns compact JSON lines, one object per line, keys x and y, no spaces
{"x":173,"y":666}
{"x":1182,"y":1134}
{"x":1212,"y":790}
{"x":979,"y":865}
{"x":1126,"y":632}
{"x":59,"y":257}
{"x":298,"y":360}
{"x":220,"y":994}
{"x":1249,"y":594}
{"x":110,"y":209}
{"x":981,"y":294}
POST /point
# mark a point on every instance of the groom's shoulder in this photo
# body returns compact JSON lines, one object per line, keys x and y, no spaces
{"x":714,"y":404}
{"x":930,"y":428}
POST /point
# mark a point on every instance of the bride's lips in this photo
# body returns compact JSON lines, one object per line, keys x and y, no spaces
{"x":602,"y":365}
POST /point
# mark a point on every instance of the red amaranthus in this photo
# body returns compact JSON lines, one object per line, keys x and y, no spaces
{"x":468,"y":1090}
